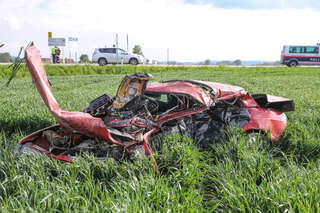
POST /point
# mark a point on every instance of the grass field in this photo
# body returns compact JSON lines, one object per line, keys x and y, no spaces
{"x":234,"y":176}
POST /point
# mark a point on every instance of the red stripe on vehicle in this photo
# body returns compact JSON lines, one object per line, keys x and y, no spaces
{"x":301,"y":56}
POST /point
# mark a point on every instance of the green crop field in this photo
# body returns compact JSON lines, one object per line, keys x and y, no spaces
{"x":235,"y":175}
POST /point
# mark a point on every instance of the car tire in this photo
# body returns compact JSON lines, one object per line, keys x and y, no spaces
{"x":293,"y":63}
{"x":133,"y":61}
{"x":102,"y":62}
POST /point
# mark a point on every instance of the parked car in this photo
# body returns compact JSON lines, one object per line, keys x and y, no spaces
{"x":113,"y":55}
{"x":124,"y":125}
{"x":294,"y":55}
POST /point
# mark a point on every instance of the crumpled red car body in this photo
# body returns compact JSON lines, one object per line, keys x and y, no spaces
{"x":264,"y":112}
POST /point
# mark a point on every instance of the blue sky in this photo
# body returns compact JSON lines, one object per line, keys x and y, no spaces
{"x":259,"y":4}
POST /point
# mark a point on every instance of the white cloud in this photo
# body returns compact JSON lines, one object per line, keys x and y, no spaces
{"x":14,"y":22}
{"x":260,"y":4}
{"x":191,"y":32}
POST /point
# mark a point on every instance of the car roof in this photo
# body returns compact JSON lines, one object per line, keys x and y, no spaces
{"x":180,"y":88}
{"x":224,"y":90}
{"x":195,"y":89}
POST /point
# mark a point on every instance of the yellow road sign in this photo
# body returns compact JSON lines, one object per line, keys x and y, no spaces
{"x":49,"y":34}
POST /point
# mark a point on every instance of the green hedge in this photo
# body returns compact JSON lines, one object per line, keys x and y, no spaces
{"x":61,"y":70}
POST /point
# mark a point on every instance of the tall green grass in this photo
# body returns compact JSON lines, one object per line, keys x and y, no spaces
{"x":235,"y":175}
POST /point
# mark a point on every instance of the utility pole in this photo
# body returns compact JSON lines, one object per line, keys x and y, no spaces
{"x":127,"y":43}
{"x":168,"y":56}
{"x":117,"y":44}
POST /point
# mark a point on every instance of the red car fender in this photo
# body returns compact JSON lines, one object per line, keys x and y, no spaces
{"x":267,"y":120}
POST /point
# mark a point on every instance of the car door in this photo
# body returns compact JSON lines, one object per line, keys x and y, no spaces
{"x":112,"y":55}
{"x":107,"y":54}
{"x":122,"y":56}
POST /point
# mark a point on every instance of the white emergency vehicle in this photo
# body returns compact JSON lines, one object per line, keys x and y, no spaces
{"x":293,"y":55}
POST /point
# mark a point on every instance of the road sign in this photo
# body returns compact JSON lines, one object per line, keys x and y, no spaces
{"x":56,"y":41}
{"x":72,"y":39}
{"x":49,"y":34}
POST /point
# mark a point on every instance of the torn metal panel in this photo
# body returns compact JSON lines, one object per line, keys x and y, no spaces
{"x":70,"y":121}
{"x":132,"y":86}
{"x":274,"y":102}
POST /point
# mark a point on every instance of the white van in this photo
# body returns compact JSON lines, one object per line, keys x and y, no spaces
{"x":294,"y":55}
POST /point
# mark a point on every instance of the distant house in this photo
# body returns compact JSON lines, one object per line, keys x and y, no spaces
{"x":62,"y":61}
{"x":68,"y":61}
{"x":46,"y":60}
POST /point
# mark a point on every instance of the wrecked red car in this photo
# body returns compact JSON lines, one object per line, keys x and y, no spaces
{"x":122,"y":125}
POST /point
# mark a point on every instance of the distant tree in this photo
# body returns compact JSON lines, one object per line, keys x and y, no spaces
{"x":224,"y":63}
{"x":84,"y":58}
{"x":237,"y":62}
{"x":276,"y":63}
{"x":5,"y":57}
{"x":207,"y":62}
{"x":137,"y":50}
{"x":268,"y":63}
